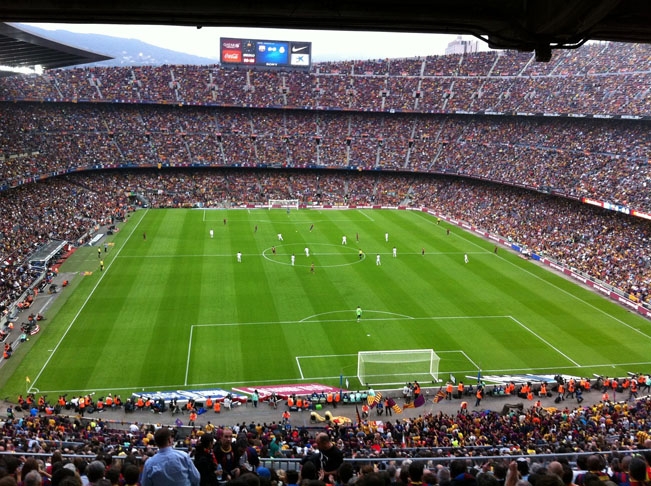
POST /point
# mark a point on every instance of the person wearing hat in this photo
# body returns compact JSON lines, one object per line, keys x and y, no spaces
{"x":205,"y":461}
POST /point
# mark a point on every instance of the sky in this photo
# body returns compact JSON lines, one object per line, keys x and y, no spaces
{"x":326,"y":45}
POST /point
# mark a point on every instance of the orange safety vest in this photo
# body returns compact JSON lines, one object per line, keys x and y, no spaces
{"x":217,"y":407}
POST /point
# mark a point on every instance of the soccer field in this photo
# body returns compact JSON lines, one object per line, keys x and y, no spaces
{"x":176,"y":310}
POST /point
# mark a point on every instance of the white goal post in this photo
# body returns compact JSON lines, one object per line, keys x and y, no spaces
{"x":397,"y":367}
{"x":283,"y":203}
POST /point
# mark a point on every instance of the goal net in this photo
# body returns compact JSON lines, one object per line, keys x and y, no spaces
{"x":397,"y":367}
{"x":283,"y":203}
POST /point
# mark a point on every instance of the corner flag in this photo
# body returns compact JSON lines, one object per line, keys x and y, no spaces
{"x":27,"y":379}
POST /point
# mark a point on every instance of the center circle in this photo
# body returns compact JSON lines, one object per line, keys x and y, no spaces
{"x":323,"y":255}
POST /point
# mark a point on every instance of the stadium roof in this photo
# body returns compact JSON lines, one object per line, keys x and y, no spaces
{"x":531,"y":25}
{"x":19,"y":48}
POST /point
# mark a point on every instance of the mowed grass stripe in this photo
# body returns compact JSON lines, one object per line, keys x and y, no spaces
{"x":136,"y":331}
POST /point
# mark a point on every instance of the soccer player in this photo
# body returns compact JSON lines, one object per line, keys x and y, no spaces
{"x":465,"y":257}
{"x":99,"y":253}
{"x":344,"y":240}
{"x":293,"y":259}
{"x":280,"y":237}
{"x":386,"y":236}
{"x":361,"y":254}
{"x":312,"y":268}
{"x":273,"y":250}
{"x":358,"y":313}
{"x":101,"y":265}
{"x":307,"y":252}
{"x":422,"y":251}
{"x":395,"y":252}
{"x":311,"y":227}
{"x":377,"y":260}
{"x":212,"y":234}
{"x":239,"y":257}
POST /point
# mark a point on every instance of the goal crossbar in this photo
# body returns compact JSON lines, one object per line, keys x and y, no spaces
{"x":391,"y":367}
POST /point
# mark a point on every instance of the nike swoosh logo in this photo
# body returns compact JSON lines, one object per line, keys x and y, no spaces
{"x":298,"y":49}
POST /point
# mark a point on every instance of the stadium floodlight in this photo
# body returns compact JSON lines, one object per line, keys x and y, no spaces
{"x":397,"y":367}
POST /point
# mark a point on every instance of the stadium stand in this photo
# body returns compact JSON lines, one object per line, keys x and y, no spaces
{"x":478,"y":137}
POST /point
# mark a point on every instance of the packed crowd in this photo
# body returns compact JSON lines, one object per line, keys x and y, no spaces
{"x":602,"y":78}
{"x":575,"y":158}
{"x":235,"y":449}
{"x":34,"y":214}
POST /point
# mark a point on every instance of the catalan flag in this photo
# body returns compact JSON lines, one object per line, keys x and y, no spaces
{"x":419,"y":401}
{"x":394,"y":406}
{"x":374,"y":399}
{"x":408,"y":405}
{"x":440,"y":395}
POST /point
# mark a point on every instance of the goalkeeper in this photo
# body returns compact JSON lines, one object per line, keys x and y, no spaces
{"x":358,"y":312}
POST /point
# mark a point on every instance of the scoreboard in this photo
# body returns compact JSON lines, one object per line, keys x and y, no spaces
{"x":265,"y":53}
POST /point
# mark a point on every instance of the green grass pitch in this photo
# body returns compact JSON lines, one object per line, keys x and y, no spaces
{"x":177,"y":311}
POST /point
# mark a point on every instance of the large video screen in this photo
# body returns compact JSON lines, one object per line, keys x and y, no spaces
{"x":265,"y":53}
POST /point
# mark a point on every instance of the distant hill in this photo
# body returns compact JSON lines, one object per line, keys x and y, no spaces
{"x":125,"y":52}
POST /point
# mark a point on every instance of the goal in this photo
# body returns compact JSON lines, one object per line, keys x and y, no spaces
{"x":283,"y":203}
{"x":397,"y":367}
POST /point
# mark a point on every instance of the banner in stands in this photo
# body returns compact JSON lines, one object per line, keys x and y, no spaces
{"x":217,"y":394}
{"x":284,"y":391}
